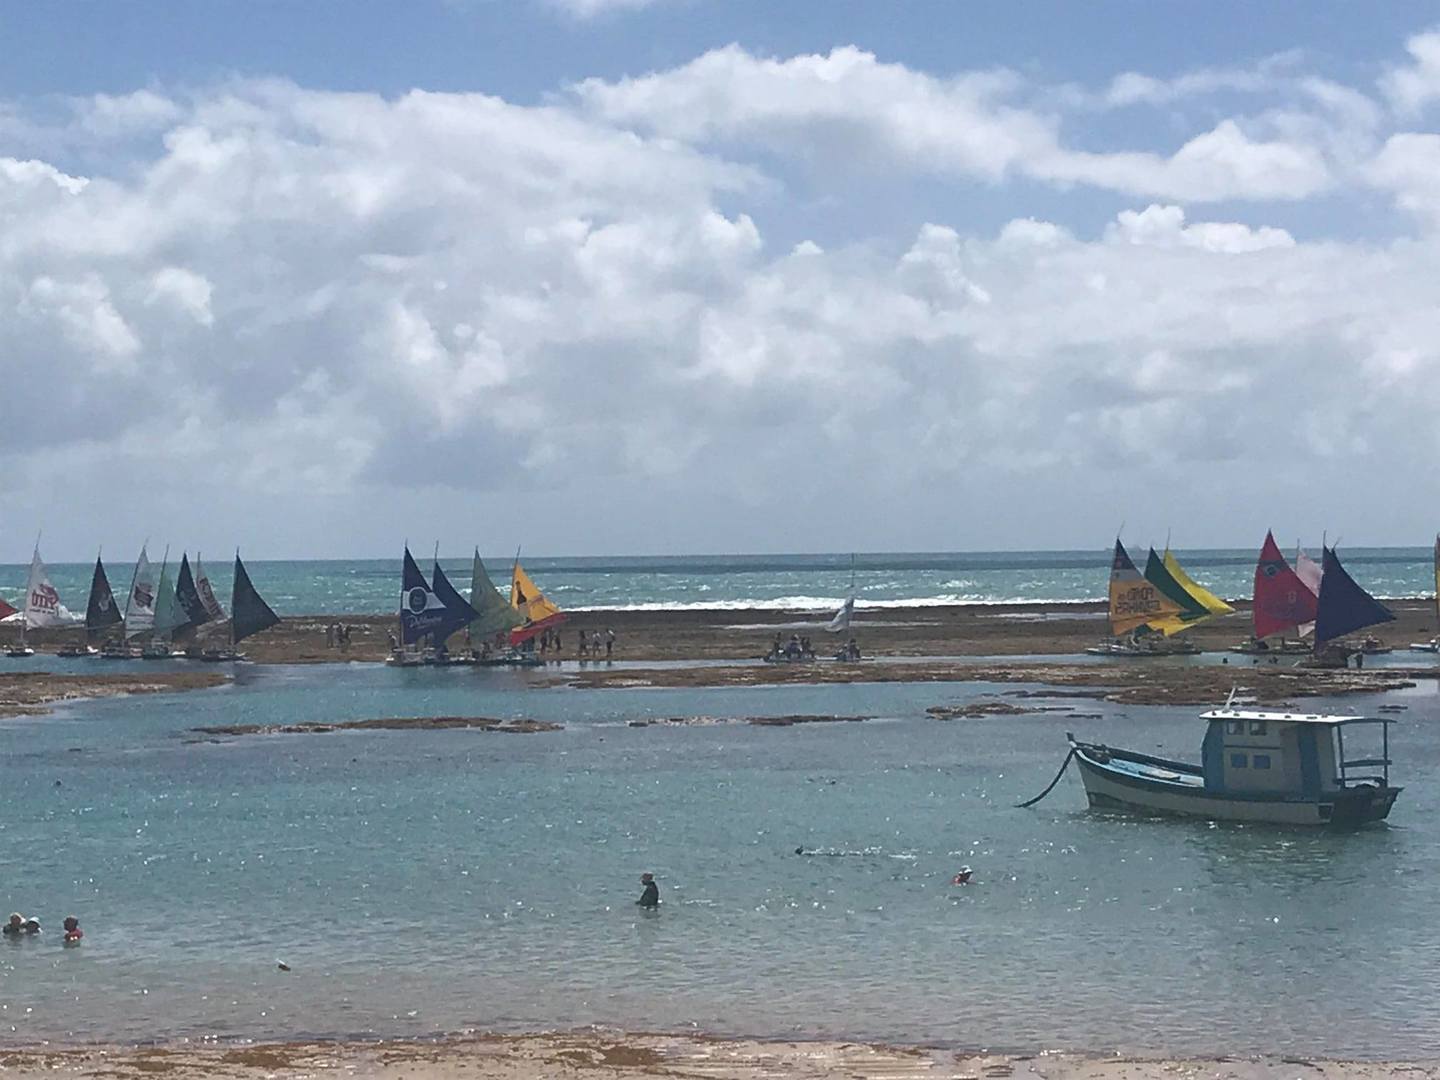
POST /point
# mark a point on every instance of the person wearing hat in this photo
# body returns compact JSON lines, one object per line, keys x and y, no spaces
{"x":16,"y":926}
{"x":650,"y":898}
{"x":73,"y":933}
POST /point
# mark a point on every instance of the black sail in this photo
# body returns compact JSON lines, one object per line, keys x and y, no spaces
{"x":249,"y":614}
{"x":101,"y":611}
{"x":188,"y":596}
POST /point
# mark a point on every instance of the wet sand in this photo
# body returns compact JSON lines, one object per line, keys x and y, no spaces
{"x":957,"y":630}
{"x":614,"y":1056}
{"x":29,"y":692}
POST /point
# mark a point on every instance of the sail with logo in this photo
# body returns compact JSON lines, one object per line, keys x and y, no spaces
{"x":537,"y":612}
{"x":423,"y":613}
{"x":140,"y":601}
{"x":1282,"y":600}
{"x":1139,"y":611}
{"x":101,"y":611}
{"x":43,"y":609}
{"x":208,"y":601}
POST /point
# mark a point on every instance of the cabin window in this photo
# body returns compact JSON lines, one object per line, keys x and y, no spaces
{"x":1238,"y":761}
{"x":1260,"y":761}
{"x":1235,"y":727}
{"x":1257,"y":727}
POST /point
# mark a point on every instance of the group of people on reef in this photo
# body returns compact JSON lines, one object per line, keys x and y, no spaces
{"x":797,"y":648}
{"x":591,"y":644}
{"x":337,"y":635}
{"x":20,"y":927}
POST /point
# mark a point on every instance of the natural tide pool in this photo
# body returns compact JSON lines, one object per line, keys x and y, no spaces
{"x":419,"y":882}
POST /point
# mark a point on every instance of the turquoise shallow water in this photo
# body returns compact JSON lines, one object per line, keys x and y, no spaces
{"x":431,"y":882}
{"x":748,"y":581}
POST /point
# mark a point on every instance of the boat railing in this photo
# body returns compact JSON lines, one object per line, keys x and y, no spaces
{"x":1345,"y":779}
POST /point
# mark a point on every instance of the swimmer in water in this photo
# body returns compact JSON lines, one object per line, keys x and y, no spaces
{"x":16,"y":926}
{"x":650,"y":898}
{"x":73,"y":933}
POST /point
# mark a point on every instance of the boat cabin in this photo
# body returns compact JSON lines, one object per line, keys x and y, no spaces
{"x":1255,"y":752}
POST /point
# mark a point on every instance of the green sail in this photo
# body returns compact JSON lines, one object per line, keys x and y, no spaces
{"x":493,"y":612}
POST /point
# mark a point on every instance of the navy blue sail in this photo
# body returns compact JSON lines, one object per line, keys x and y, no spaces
{"x":249,"y":614}
{"x":458,"y":612}
{"x":1344,"y":605}
{"x":102,"y":611}
{"x":422,"y":613}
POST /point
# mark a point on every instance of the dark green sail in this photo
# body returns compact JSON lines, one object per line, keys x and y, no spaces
{"x":1158,"y":575}
{"x":249,"y":614}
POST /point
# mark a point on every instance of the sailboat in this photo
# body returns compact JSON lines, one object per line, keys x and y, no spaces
{"x":494,"y":619}
{"x":139,"y":609}
{"x":249,"y":613}
{"x":1344,"y":608}
{"x":170,"y":615}
{"x":191,"y":605}
{"x":1282,"y":601}
{"x":207,"y":594}
{"x":1140,"y":612}
{"x":424,"y":614}
{"x":459,"y":614}
{"x":101,"y":613}
{"x":43,"y":609}
{"x":1433,"y":645}
{"x":536,"y":611}
{"x":840,"y":624}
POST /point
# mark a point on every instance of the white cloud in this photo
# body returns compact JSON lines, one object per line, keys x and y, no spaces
{"x":357,"y":317}
{"x":847,"y":108}
{"x":591,"y":9}
{"x":1412,"y":87}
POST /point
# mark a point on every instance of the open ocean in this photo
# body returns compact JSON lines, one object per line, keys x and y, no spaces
{"x":372,"y":586}
{"x":428,"y":882}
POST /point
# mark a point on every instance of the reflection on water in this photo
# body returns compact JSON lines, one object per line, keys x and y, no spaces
{"x":421,"y":882}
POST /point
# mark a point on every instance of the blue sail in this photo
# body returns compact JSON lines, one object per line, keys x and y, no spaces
{"x":1344,"y":605}
{"x":421,"y":612}
{"x":458,"y":612}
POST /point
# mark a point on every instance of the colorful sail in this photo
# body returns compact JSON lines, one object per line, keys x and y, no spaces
{"x":1190,"y":610}
{"x":7,"y":609}
{"x":535,"y":610}
{"x":1344,"y":605}
{"x":101,"y":611}
{"x":207,"y":594}
{"x":187,"y":596}
{"x":458,"y":612}
{"x":140,"y":603}
{"x":1282,"y":601}
{"x":1308,"y":571}
{"x":492,"y":613}
{"x":1133,"y":600}
{"x":249,"y":614}
{"x":1212,"y":604}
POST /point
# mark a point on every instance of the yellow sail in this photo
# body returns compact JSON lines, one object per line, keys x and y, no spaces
{"x":1134,"y":602}
{"x":1201,"y":595}
{"x":531,"y":604}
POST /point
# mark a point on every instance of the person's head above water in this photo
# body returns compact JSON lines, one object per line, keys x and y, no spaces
{"x":646,"y":879}
{"x":71,"y":923}
{"x":17,"y":920}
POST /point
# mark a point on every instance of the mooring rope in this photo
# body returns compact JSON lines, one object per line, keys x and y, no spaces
{"x":1051,"y":787}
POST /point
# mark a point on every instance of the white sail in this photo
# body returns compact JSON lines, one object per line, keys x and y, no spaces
{"x":841,"y":622}
{"x":42,"y":602}
{"x":140,"y":604}
{"x":207,"y":594}
{"x":1310,"y":574}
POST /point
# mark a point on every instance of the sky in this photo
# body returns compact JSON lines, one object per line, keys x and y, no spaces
{"x":667,"y":276}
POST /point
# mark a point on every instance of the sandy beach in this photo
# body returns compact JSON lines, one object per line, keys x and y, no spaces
{"x":592,"y":1056}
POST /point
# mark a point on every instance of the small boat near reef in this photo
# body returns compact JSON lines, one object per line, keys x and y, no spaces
{"x":1148,"y":611}
{"x":1258,"y":765}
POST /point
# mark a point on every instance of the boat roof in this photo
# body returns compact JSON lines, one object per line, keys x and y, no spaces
{"x":1290,"y":717}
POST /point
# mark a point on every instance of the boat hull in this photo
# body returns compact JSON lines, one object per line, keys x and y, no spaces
{"x":1111,"y":788}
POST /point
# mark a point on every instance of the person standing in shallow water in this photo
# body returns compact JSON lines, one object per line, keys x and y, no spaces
{"x":650,"y":897}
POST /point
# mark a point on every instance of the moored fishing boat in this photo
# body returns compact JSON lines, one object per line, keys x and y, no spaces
{"x":1257,"y":765}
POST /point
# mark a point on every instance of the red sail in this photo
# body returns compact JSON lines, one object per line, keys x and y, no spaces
{"x":1281,"y":599}
{"x":6,"y":610}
